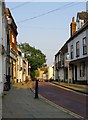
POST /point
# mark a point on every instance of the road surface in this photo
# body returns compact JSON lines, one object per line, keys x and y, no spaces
{"x":68,"y":99}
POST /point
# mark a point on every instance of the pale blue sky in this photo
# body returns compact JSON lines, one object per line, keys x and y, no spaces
{"x":49,"y":32}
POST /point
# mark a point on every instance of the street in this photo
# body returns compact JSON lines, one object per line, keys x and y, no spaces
{"x":19,"y":102}
{"x":44,"y":60}
{"x":68,"y":99}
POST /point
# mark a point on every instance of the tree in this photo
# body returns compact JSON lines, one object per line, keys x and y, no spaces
{"x":37,"y":73}
{"x":34,"y":56}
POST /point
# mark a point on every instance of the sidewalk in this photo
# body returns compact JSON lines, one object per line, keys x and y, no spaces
{"x":19,"y":102}
{"x":75,"y":87}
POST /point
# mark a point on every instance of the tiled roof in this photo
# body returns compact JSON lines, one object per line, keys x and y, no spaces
{"x":82,"y":15}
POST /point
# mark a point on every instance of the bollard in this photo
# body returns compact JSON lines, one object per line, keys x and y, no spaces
{"x":36,"y":88}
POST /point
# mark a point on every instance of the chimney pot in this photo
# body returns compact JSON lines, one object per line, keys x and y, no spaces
{"x":73,"y":27}
{"x":73,"y":19}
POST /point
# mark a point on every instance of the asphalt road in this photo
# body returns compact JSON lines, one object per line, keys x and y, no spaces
{"x":68,"y":99}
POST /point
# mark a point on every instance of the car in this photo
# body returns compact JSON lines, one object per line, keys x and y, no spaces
{"x":40,"y":80}
{"x":46,"y":80}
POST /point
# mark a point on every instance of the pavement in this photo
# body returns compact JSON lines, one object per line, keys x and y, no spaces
{"x":19,"y":102}
{"x":75,"y":87}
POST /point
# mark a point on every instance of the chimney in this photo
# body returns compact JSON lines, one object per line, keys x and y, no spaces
{"x":73,"y":27}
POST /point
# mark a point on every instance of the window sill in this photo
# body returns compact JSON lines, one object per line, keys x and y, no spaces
{"x":77,"y":56}
{"x":84,"y":53}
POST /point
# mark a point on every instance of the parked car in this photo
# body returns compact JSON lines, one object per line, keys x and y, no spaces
{"x":41,"y":80}
{"x":50,"y":80}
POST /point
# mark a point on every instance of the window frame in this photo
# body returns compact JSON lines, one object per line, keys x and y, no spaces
{"x":72,"y":51}
{"x":84,"y":46}
{"x":77,"y":49}
{"x":82,"y":69}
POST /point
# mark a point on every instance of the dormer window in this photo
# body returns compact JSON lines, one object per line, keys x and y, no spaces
{"x":81,"y":19}
{"x":82,"y":23}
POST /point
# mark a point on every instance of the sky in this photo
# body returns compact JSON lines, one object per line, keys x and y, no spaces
{"x":45,"y":25}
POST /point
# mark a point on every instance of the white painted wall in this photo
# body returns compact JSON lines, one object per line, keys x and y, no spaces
{"x":19,"y":73}
{"x":73,"y":42}
{"x":70,"y":75}
{"x":56,"y":74}
{"x":61,"y":74}
{"x":80,"y":24}
{"x":4,"y":42}
{"x":87,"y":51}
{"x":56,"y":59}
{"x":1,"y":74}
{"x":50,"y":72}
{"x":26,"y":68}
{"x":87,"y":71}
{"x":25,"y":65}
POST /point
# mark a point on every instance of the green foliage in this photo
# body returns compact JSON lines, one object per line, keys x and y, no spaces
{"x":32,"y":74}
{"x":34,"y":56}
{"x":36,"y":73}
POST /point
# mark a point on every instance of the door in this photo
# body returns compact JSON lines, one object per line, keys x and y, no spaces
{"x":75,"y":73}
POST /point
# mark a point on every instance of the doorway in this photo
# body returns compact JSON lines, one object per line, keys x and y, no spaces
{"x":75,"y":73}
